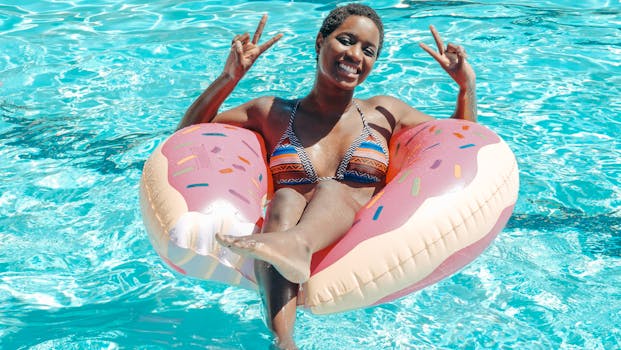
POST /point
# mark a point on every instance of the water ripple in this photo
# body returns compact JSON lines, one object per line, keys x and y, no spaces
{"x":90,"y":88}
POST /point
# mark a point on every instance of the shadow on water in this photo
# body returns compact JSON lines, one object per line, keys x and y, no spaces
{"x":58,"y":139}
{"x":600,"y":233}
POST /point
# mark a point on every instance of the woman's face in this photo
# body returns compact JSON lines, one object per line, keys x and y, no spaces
{"x":347,"y":55}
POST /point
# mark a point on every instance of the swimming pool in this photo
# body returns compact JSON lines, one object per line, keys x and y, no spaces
{"x":89,"y":88}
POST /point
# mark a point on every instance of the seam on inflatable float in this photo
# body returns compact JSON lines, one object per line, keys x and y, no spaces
{"x":151,"y":201}
{"x":414,"y":255}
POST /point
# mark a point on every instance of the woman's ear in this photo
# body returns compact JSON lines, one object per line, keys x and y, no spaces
{"x":318,"y":43}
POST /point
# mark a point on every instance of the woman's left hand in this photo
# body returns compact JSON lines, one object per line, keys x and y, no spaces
{"x":453,"y":59}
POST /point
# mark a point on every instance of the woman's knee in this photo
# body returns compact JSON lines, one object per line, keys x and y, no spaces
{"x":285,"y":209}
{"x":287,"y":196}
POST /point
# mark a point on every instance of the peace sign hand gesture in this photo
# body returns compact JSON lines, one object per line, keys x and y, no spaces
{"x":452,"y":59}
{"x":245,"y":52}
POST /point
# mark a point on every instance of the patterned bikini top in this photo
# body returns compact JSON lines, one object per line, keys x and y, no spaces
{"x":366,"y":160}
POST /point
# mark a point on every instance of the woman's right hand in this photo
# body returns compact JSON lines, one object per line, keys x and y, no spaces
{"x":245,"y":52}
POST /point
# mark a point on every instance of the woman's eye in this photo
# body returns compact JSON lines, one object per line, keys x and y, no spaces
{"x":369,"y":52}
{"x":344,"y":40}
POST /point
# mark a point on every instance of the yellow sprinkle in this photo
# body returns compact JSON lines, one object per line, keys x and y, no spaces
{"x":457,"y":171}
{"x":185,"y":159}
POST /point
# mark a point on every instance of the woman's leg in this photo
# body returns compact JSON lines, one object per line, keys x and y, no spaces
{"x":328,"y":215}
{"x":278,"y":294}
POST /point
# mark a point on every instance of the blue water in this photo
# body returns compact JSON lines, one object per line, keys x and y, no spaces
{"x":88,"y":89}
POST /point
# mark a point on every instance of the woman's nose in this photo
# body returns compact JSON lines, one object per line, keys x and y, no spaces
{"x":355,"y":52}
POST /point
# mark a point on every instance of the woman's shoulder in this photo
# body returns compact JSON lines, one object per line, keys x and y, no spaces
{"x":385,"y":101}
{"x":398,"y":113}
{"x":270,"y":106}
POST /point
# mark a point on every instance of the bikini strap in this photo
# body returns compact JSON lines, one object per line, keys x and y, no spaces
{"x":293,"y":111}
{"x":364,"y":120}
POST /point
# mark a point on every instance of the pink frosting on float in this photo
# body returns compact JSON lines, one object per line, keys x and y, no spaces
{"x":199,"y":173}
{"x":443,"y":159}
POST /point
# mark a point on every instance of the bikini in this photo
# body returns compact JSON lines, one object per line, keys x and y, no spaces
{"x":366,"y":160}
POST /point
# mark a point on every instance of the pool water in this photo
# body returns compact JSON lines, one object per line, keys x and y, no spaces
{"x":89,"y":88}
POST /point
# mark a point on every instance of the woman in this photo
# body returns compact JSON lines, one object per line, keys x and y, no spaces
{"x":328,"y":150}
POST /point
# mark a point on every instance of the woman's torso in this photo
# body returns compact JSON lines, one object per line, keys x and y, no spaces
{"x":352,"y":148}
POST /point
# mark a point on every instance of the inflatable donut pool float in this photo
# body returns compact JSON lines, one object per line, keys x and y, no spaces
{"x":451,"y":188}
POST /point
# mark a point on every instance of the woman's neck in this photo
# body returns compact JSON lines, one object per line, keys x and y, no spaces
{"x":328,"y":103}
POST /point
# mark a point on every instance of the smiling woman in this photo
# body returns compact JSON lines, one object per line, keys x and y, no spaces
{"x":327,"y":150}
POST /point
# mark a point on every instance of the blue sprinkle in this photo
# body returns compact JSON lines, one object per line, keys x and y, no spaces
{"x":467,"y":146}
{"x":197,"y":185}
{"x":378,"y":212}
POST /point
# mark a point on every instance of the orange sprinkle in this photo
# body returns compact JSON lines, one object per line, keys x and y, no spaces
{"x":255,"y":182}
{"x":465,"y":127}
{"x":244,"y":160}
{"x":191,"y":129}
{"x":458,"y":135}
{"x":226,"y":170}
{"x":374,"y":199}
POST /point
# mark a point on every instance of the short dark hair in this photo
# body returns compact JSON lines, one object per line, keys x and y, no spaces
{"x":337,"y":16}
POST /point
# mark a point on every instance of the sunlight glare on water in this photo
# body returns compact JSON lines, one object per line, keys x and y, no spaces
{"x":89,"y":88}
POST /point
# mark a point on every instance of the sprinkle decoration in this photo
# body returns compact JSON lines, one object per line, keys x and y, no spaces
{"x":183,"y":144}
{"x":183,"y":171}
{"x":432,"y":146}
{"x":197,"y":185}
{"x":378,"y":211}
{"x":404,"y":176}
{"x":238,"y":195}
{"x":251,"y":148}
{"x":239,"y":167}
{"x":457,"y":171}
{"x":374,"y":199}
{"x":181,"y":161}
{"x":415,"y":187}
{"x":191,"y":129}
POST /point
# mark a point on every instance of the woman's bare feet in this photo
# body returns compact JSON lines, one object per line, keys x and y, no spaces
{"x":283,"y":250}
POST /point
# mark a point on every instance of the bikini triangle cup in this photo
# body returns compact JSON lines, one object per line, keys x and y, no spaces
{"x":365,"y":161}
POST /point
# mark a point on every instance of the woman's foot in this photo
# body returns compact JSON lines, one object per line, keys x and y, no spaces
{"x":284,"y":251}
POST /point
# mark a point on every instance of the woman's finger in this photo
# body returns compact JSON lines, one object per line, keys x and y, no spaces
{"x":433,"y":53}
{"x":243,"y":38}
{"x":438,"y":39}
{"x":266,"y":45}
{"x":259,"y":31}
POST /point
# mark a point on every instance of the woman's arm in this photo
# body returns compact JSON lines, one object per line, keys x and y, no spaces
{"x":244,"y":52}
{"x":453,"y":59}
